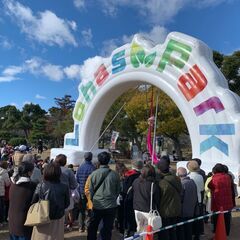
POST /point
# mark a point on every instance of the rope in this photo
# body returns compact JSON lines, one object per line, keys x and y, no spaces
{"x":135,"y":236}
{"x":110,"y":122}
{"x":108,"y":126}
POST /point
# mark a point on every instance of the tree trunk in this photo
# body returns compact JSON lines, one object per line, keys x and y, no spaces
{"x":177,"y":148}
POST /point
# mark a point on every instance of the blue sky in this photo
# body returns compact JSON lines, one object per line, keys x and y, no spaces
{"x":44,"y":44}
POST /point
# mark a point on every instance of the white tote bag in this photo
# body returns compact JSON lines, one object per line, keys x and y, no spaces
{"x":154,"y":218}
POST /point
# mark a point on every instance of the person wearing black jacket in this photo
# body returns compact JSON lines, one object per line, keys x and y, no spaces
{"x":57,"y":194}
{"x":20,"y":196}
{"x":142,"y":196}
{"x":130,"y":225}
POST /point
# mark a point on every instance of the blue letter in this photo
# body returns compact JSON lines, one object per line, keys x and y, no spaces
{"x":213,"y":141}
{"x":118,"y":60}
{"x":73,"y":141}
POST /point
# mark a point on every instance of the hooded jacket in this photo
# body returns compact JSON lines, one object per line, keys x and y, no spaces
{"x":20,"y":197}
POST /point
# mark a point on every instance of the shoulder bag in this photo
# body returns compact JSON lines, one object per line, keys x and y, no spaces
{"x":38,"y":212}
{"x":154,"y":219}
{"x":100,"y":183}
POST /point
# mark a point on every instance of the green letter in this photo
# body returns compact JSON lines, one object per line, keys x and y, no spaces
{"x":86,"y":88}
{"x":79,"y":111}
{"x":179,"y":62}
{"x":138,"y":56}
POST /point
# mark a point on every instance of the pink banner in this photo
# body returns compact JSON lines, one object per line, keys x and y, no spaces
{"x":149,"y":142}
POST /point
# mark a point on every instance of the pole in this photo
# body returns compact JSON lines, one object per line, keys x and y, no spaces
{"x":155,"y":128}
{"x":107,"y":126}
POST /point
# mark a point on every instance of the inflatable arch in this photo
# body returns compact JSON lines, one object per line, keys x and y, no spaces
{"x":183,"y":68}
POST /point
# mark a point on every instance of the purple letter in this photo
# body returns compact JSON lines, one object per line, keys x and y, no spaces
{"x":213,"y":102}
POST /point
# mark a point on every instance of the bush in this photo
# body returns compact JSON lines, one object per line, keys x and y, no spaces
{"x":16,"y":141}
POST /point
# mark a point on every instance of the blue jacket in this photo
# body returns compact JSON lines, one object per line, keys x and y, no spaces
{"x":82,"y":174}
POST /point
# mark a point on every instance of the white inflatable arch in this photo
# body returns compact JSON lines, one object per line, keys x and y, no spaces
{"x":183,"y":68}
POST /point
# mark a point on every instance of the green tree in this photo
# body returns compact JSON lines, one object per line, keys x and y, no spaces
{"x":170,"y":122}
{"x":218,"y":58}
{"x":39,"y":130}
{"x":29,"y":115}
{"x":60,"y":120}
{"x":231,"y":70}
{"x":9,"y":116}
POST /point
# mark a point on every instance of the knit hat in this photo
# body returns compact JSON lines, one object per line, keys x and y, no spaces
{"x":137,"y":164}
{"x":193,"y":166}
{"x":88,"y":156}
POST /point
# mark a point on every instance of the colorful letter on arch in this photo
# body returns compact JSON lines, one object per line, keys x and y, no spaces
{"x":183,"y":68}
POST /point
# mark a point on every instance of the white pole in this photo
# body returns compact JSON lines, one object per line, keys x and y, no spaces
{"x":107,"y":126}
{"x":155,"y":128}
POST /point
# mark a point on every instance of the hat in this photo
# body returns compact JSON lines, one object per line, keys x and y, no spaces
{"x":163,"y":165}
{"x":193,"y":166}
{"x":137,"y":164}
{"x":88,"y":156}
{"x":28,"y":158}
{"x":22,"y":148}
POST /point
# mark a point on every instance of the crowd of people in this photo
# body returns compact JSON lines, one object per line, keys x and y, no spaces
{"x":98,"y":198}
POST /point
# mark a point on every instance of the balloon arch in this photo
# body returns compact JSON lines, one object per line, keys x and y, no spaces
{"x":183,"y":68}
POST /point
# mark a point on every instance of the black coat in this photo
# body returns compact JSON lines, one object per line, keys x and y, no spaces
{"x":20,"y":197}
{"x":142,"y":195}
{"x":58,"y":196}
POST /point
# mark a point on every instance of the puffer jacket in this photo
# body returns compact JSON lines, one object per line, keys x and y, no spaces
{"x":82,"y":174}
{"x":4,"y":181}
{"x":58,"y":196}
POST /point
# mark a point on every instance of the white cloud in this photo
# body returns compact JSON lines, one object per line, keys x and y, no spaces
{"x":9,"y":73}
{"x":12,"y":70}
{"x":33,"y":65}
{"x":14,"y":104}
{"x":38,"y":96}
{"x":156,"y":11}
{"x":79,"y":3}
{"x":87,"y":37}
{"x":89,"y":67}
{"x":26,"y":102}
{"x":45,"y":27}
{"x":73,"y":25}
{"x":54,"y":72}
{"x":5,"y":43}
{"x":73,"y":71}
{"x":210,"y":3}
{"x":109,"y":45}
{"x":157,"y":34}
{"x":7,"y":78}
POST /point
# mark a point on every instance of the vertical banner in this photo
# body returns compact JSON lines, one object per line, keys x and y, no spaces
{"x":114,"y":140}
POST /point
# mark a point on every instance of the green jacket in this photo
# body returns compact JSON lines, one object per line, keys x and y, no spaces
{"x":170,"y":195}
{"x":106,"y":195}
